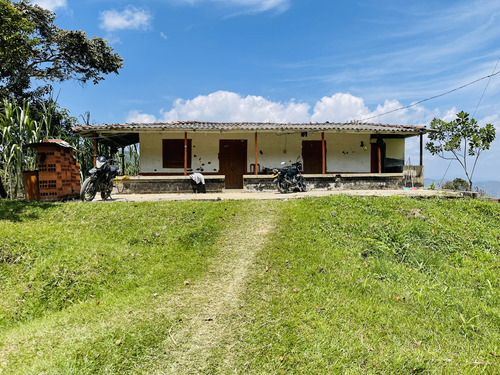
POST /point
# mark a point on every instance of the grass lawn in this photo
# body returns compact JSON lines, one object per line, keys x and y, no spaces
{"x":321,"y":285}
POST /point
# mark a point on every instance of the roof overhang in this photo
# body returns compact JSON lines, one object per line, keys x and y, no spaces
{"x":120,"y":135}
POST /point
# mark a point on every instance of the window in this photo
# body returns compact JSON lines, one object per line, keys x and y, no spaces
{"x":173,"y":153}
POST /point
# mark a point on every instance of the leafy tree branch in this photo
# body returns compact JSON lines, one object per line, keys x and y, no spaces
{"x":33,"y":48}
{"x":462,"y":140}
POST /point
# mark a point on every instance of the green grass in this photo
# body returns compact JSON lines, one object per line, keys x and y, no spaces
{"x":354,"y":285}
{"x":74,"y":264}
{"x":382,"y":285}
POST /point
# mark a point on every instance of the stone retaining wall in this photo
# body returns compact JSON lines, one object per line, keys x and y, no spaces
{"x":166,"y":184}
{"x":340,"y":181}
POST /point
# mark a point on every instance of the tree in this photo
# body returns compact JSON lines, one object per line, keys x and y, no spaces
{"x":458,"y":184}
{"x":33,"y":48}
{"x":16,"y":42}
{"x":461,"y":139}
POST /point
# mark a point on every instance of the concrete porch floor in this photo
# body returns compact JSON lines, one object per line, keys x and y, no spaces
{"x":237,"y":194}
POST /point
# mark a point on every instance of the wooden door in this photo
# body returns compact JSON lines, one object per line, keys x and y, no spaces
{"x":233,"y":161}
{"x":312,"y":155}
{"x":377,"y":164}
{"x":374,"y":164}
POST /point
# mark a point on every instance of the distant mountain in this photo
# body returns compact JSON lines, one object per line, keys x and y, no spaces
{"x":492,"y":188}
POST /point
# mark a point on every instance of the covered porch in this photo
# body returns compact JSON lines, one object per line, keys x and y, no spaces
{"x":242,"y":155}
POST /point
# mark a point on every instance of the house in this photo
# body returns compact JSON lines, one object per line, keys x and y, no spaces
{"x":243,"y":154}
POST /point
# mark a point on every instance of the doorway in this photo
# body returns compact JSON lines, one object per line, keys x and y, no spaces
{"x":377,"y":164}
{"x":313,"y":157}
{"x":233,"y":161}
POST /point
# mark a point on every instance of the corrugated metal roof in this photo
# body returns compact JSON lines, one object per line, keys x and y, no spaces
{"x":250,"y":126}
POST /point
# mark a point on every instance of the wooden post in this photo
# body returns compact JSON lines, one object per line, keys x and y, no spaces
{"x":256,"y":169}
{"x":421,"y":149}
{"x":323,"y":152}
{"x":185,"y":153}
{"x":379,"y":154}
{"x":95,"y":148}
{"x":123,"y":160}
{"x":111,"y":149}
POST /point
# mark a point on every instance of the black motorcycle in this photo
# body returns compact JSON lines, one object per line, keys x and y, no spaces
{"x":290,"y":178}
{"x":100,"y":179}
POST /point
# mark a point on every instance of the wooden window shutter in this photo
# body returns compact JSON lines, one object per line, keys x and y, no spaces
{"x":173,"y":153}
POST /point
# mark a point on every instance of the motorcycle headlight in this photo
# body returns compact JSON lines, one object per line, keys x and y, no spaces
{"x":101,"y":160}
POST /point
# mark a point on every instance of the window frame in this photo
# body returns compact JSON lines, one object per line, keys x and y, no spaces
{"x":175,"y":158}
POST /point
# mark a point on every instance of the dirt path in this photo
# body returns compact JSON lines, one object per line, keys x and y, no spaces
{"x":201,"y":340}
{"x":271,"y":195}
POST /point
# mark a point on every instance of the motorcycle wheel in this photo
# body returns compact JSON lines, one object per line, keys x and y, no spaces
{"x":88,"y":190}
{"x":282,"y":187}
{"x":302,"y":184}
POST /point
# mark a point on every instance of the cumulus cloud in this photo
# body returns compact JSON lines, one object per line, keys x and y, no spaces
{"x":225,"y":106}
{"x":140,"y":118}
{"x":51,"y":4}
{"x":339,"y":107}
{"x":230,"y":106}
{"x":131,"y":18}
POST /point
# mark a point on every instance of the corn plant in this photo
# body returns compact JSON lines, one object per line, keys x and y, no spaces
{"x":18,"y":130}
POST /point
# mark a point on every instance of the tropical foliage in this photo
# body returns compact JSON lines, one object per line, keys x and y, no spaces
{"x":462,"y":140}
{"x":20,"y":126}
{"x":19,"y":129}
{"x":33,"y":48}
{"x":35,"y":52}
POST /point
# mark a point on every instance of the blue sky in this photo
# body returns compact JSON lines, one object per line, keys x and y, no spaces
{"x":293,"y":61}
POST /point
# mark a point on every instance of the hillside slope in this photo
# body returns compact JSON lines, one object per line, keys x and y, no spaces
{"x":321,"y":285}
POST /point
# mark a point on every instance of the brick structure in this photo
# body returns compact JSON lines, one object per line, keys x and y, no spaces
{"x":58,"y":170}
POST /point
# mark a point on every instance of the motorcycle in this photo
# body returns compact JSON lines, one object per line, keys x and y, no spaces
{"x":100,"y":179}
{"x":289,"y":177}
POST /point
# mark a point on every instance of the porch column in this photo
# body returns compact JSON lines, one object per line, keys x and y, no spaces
{"x":323,"y":152}
{"x":185,"y":153}
{"x":421,"y":149}
{"x":122,"y":156}
{"x":111,"y":149}
{"x":95,"y":148}
{"x":256,"y":169}
{"x":379,"y":154}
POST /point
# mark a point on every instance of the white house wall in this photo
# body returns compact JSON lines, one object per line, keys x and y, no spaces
{"x":345,"y":152}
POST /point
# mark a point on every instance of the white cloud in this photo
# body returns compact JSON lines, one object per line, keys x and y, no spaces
{"x":163,"y":35}
{"x":449,"y":115}
{"x":230,"y":106}
{"x":339,"y":107}
{"x":140,"y":118}
{"x":258,"y":6}
{"x":51,"y":4}
{"x":248,"y":6}
{"x":225,"y":106}
{"x":131,"y":18}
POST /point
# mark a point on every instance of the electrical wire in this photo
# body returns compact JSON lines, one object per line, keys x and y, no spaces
{"x":433,"y":97}
{"x":481,"y":98}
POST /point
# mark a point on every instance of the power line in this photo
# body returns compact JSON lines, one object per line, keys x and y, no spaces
{"x":481,"y":98}
{"x":433,"y":97}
